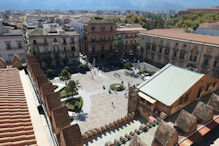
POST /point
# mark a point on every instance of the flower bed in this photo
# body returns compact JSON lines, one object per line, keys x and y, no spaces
{"x":117,"y":87}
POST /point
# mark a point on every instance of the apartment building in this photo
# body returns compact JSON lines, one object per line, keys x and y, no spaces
{"x":11,"y":43}
{"x":130,"y":37}
{"x":54,"y":46}
{"x":98,"y":35}
{"x":196,"y":51}
{"x":195,"y":10}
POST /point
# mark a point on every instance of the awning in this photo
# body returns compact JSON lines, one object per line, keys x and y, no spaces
{"x":144,"y":96}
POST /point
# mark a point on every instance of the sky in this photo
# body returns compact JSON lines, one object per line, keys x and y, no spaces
{"x":151,"y":5}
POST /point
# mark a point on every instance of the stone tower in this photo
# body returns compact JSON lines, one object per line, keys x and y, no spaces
{"x":133,"y":99}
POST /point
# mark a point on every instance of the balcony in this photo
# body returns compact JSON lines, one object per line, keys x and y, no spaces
{"x":173,"y":57}
{"x":216,"y":69}
{"x":43,"y":44}
{"x":205,"y":66}
{"x":166,"y":55}
{"x":72,"y":43}
{"x":192,"y":62}
{"x":64,"y":43}
{"x":181,"y":59}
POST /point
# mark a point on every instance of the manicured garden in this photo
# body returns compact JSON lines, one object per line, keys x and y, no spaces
{"x":117,"y":87}
{"x":64,"y":93}
{"x":74,"y":104}
{"x":145,"y":72}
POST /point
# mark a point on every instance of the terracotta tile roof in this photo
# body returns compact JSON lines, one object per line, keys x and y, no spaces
{"x":179,"y":33}
{"x":200,"y":133}
{"x":15,"y":123}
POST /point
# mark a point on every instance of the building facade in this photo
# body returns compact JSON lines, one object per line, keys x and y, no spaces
{"x":11,"y":43}
{"x":56,"y":48}
{"x":130,"y":41}
{"x":98,"y":35}
{"x":195,"y":10}
{"x":196,"y":51}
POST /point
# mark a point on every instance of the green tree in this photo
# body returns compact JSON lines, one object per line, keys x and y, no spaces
{"x":195,"y":26}
{"x":127,"y":66}
{"x":82,"y":68}
{"x":118,"y":42}
{"x":67,"y":68}
{"x":65,"y":76}
{"x":50,"y":73}
{"x":72,"y":86}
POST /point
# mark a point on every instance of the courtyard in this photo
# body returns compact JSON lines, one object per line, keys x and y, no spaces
{"x":100,"y":106}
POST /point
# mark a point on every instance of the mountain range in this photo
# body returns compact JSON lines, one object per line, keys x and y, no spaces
{"x":151,"y":5}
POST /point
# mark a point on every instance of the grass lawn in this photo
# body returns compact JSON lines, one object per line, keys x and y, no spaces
{"x":117,"y":87}
{"x":74,"y":104}
{"x":64,"y":94}
{"x":55,"y":87}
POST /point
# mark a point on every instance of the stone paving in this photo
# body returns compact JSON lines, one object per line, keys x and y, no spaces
{"x":99,"y":106}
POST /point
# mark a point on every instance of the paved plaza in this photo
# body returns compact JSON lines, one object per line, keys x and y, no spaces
{"x":99,"y":106}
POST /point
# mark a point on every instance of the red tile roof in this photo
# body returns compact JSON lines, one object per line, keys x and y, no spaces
{"x":200,"y":133}
{"x":15,"y":123}
{"x":179,"y":33}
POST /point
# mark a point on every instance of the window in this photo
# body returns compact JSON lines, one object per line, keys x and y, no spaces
{"x":111,"y":27}
{"x":34,"y":42}
{"x":72,"y":40}
{"x":55,"y":40}
{"x":111,"y":48}
{"x":180,"y":100}
{"x":177,"y":44}
{"x":45,"y":40}
{"x":181,"y":55}
{"x":174,"y":55}
{"x":73,"y":48}
{"x":64,"y":49}
{"x":93,"y":49}
{"x":92,"y":28}
{"x":148,"y":103}
{"x":207,"y":86}
{"x":166,"y":52}
{"x":102,"y":28}
{"x":93,"y":38}
{"x":142,"y":99}
{"x":205,"y":63}
{"x":160,"y":51}
{"x":193,"y":58}
{"x":216,"y":64}
{"x":199,"y":92}
{"x":19,"y":45}
{"x":102,"y":38}
{"x":186,"y":97}
{"x":8,"y":45}
{"x":153,"y":48}
{"x":64,"y":41}
{"x":102,"y":48}
{"x":147,"y":46}
{"x":111,"y":38}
